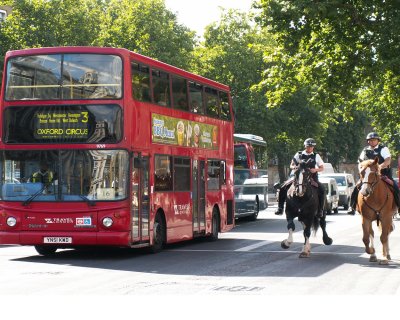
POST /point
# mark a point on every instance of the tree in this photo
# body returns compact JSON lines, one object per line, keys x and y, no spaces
{"x":147,"y":27}
{"x":232,"y":53}
{"x":344,"y":51}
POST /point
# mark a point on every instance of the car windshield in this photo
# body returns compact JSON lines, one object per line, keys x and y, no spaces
{"x":340,"y":181}
{"x":63,"y":175}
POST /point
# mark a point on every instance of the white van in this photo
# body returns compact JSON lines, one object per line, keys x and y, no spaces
{"x":345,"y":184}
{"x":251,"y":197}
{"x":332,"y":194}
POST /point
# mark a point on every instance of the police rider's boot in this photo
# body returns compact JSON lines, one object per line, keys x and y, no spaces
{"x":279,"y":211}
{"x":321,"y":205}
{"x":352,"y":208}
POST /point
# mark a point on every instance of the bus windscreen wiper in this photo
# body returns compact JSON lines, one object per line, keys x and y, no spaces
{"x":89,"y":202}
{"x":30,"y":199}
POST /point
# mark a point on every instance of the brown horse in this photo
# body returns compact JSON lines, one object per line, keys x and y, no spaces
{"x":375,"y":202}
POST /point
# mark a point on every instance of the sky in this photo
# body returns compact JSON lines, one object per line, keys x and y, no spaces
{"x":196,"y":14}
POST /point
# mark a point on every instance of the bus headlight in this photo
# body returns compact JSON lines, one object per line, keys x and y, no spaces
{"x":107,"y":222}
{"x":11,"y":221}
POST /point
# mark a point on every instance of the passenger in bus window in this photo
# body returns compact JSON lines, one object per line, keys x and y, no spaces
{"x":195,"y":106}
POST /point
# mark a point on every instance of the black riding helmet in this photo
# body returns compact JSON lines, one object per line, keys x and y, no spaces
{"x":373,"y":135}
{"x":310,"y":142}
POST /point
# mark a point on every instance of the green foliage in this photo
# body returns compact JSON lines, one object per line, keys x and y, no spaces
{"x":232,"y":53}
{"x":344,"y":51}
{"x":145,"y":26}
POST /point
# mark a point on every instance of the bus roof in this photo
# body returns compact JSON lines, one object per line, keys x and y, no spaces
{"x":249,"y":138}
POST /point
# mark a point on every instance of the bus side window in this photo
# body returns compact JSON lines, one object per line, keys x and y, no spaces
{"x":196,"y":97}
{"x":181,"y":174}
{"x":179,"y":93}
{"x":225,"y":110}
{"x":161,"y":88}
{"x":214,"y":173}
{"x":162,"y":173}
{"x":140,"y":82}
{"x":212,"y":102}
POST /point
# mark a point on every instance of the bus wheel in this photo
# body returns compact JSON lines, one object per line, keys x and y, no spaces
{"x":214,"y":226}
{"x":46,"y":250}
{"x":158,"y":234}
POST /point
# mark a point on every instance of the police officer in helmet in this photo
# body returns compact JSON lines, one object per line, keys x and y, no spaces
{"x":375,"y":149}
{"x":315,"y":164}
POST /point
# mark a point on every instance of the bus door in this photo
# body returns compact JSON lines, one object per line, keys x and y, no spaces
{"x":199,"y":195}
{"x":140,"y":207}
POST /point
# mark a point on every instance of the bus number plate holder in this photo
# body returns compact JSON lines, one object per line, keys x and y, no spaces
{"x":57,"y":240}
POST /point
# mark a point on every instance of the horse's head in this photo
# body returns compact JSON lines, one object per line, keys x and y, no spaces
{"x":370,"y":176}
{"x":302,"y":178}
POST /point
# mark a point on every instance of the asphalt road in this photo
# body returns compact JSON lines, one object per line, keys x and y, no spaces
{"x":247,"y":262}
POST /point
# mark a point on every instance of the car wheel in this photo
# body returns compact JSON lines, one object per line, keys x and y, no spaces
{"x":254,"y":216}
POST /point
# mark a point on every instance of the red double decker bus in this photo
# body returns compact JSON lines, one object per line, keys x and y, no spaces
{"x":103,"y":146}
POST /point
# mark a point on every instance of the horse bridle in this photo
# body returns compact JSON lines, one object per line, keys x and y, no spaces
{"x":373,"y":183}
{"x":307,"y":181}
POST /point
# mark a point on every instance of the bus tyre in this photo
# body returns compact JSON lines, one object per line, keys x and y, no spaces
{"x":46,"y":250}
{"x":158,"y":234}
{"x":214,"y":226}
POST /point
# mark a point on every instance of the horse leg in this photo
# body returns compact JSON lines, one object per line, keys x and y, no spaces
{"x":386,"y":229}
{"x":325,"y":238}
{"x":368,"y":239}
{"x":307,"y":246}
{"x":285,"y":244}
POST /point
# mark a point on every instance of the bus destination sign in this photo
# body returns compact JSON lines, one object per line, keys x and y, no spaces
{"x":57,"y":124}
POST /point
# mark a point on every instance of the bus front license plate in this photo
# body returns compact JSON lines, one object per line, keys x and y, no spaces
{"x":58,"y":240}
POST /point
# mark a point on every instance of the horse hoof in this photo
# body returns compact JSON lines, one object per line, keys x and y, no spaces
{"x":284,"y":245}
{"x":327,"y":241}
{"x":383,"y":262}
{"x":373,"y":259}
{"x":304,"y":255}
{"x":388,"y":257}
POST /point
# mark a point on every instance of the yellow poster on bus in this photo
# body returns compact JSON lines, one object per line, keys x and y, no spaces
{"x":182,"y":132}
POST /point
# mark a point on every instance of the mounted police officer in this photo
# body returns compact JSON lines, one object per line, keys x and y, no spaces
{"x":315,"y":164}
{"x":375,"y":149}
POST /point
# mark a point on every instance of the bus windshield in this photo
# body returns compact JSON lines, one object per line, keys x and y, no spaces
{"x":63,"y":175}
{"x":64,"y":76}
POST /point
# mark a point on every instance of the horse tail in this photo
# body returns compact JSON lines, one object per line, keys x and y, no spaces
{"x":315,"y":225}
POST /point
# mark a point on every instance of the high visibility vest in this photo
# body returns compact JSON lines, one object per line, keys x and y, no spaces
{"x":45,"y":178}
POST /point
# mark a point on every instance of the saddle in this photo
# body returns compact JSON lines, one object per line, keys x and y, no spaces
{"x":314,"y":183}
{"x":387,"y":180}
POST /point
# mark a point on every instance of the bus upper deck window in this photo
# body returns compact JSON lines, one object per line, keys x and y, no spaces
{"x":179,"y":93}
{"x":161,"y":88}
{"x":140,"y":82}
{"x":196,"y":97}
{"x":225,"y":110}
{"x":212,"y":102}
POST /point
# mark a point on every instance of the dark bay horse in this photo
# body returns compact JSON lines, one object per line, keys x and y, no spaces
{"x":302,"y":202}
{"x":375,"y":202}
